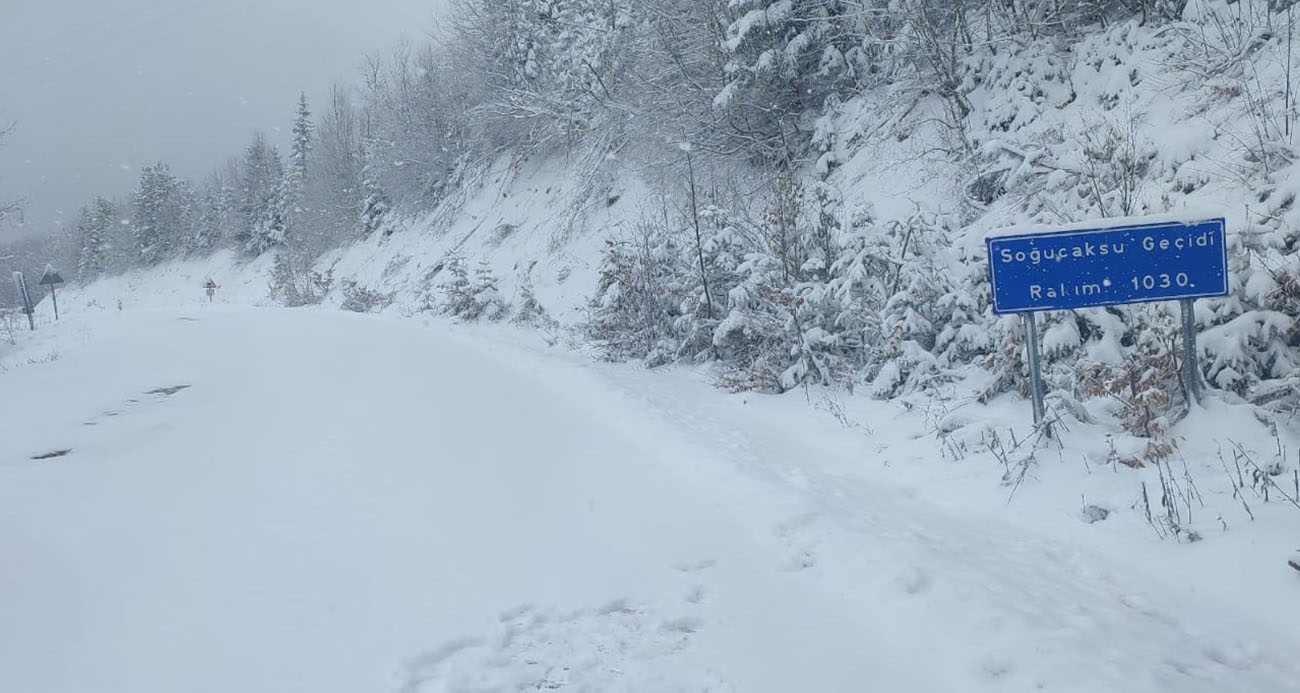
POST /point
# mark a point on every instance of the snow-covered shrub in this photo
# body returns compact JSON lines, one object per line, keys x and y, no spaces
{"x":469,"y":297}
{"x":487,"y":296}
{"x":1006,"y":364}
{"x":457,"y":290}
{"x":965,"y":332}
{"x":712,"y":276}
{"x":529,"y":310}
{"x":761,"y":340}
{"x":295,"y":281}
{"x":909,"y":321}
{"x":785,"y":322}
{"x":1146,"y":384}
{"x":632,"y":314}
{"x":360,"y":299}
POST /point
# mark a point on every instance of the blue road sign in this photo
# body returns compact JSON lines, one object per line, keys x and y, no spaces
{"x":1062,"y":270}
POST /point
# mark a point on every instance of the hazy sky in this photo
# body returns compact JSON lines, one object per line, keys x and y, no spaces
{"x":99,"y":88}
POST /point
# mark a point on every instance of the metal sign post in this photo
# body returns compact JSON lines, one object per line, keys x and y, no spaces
{"x":25,"y":296}
{"x":1106,"y":266}
{"x":1035,"y":370}
{"x":51,"y":278}
{"x":1191,"y":369}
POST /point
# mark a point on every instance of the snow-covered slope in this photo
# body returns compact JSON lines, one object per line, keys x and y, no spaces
{"x":538,"y":220}
{"x":217,"y":499}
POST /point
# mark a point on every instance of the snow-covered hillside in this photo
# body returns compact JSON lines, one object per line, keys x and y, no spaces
{"x":219,"y":499}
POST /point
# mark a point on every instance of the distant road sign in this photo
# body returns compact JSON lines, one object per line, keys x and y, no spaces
{"x":1136,"y":263}
{"x":51,"y":276}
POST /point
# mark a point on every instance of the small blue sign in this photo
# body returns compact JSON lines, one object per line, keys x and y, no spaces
{"x":1063,"y":270}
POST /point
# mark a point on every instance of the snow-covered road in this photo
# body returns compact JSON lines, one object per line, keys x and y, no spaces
{"x":274,"y":500}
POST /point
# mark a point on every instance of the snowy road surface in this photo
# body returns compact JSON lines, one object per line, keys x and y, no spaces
{"x":261,"y":501}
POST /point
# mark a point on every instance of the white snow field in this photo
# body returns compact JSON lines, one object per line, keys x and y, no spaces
{"x":261,"y":500}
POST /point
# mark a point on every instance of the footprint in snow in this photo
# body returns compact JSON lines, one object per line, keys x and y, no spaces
{"x":795,"y":525}
{"x":1239,"y":656}
{"x":914,"y":581}
{"x":1146,"y":608}
{"x":802,"y":560}
{"x":694,"y":566}
{"x":997,"y":666}
{"x":622,"y":645}
{"x":698,"y":594}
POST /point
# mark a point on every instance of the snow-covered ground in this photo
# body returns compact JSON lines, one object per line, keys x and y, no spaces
{"x":309,"y":500}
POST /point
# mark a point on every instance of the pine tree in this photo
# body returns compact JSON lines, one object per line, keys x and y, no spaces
{"x":158,"y":213}
{"x":757,"y":336}
{"x":488,"y":301}
{"x":263,"y":198}
{"x":292,"y":197}
{"x":334,"y":198}
{"x":785,"y":57}
{"x":95,"y":226}
{"x":530,"y":310}
{"x":374,"y":203}
{"x":190,"y":216}
{"x":638,"y":297}
{"x":719,"y":253}
{"x":303,"y":136}
{"x":907,"y":322}
{"x":457,"y":288}
{"x":215,"y":211}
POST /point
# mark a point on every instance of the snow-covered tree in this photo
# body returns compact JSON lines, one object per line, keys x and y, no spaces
{"x":785,"y":57}
{"x":216,"y":200}
{"x":374,"y":203}
{"x":457,"y":288}
{"x":261,"y":207}
{"x":551,"y":68}
{"x":303,"y":133}
{"x":909,"y":323}
{"x":95,"y":227}
{"x":635,"y":306}
{"x":715,"y":261}
{"x":158,"y":213}
{"x":295,"y":219}
{"x":334,"y":187}
{"x":7,"y":207}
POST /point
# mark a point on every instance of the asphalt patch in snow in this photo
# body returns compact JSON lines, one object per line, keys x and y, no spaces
{"x":52,"y":454}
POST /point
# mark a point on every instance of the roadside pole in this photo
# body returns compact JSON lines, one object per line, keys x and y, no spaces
{"x":1191,"y":369}
{"x":25,"y":296}
{"x":1035,"y":371}
{"x":51,"y":278}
